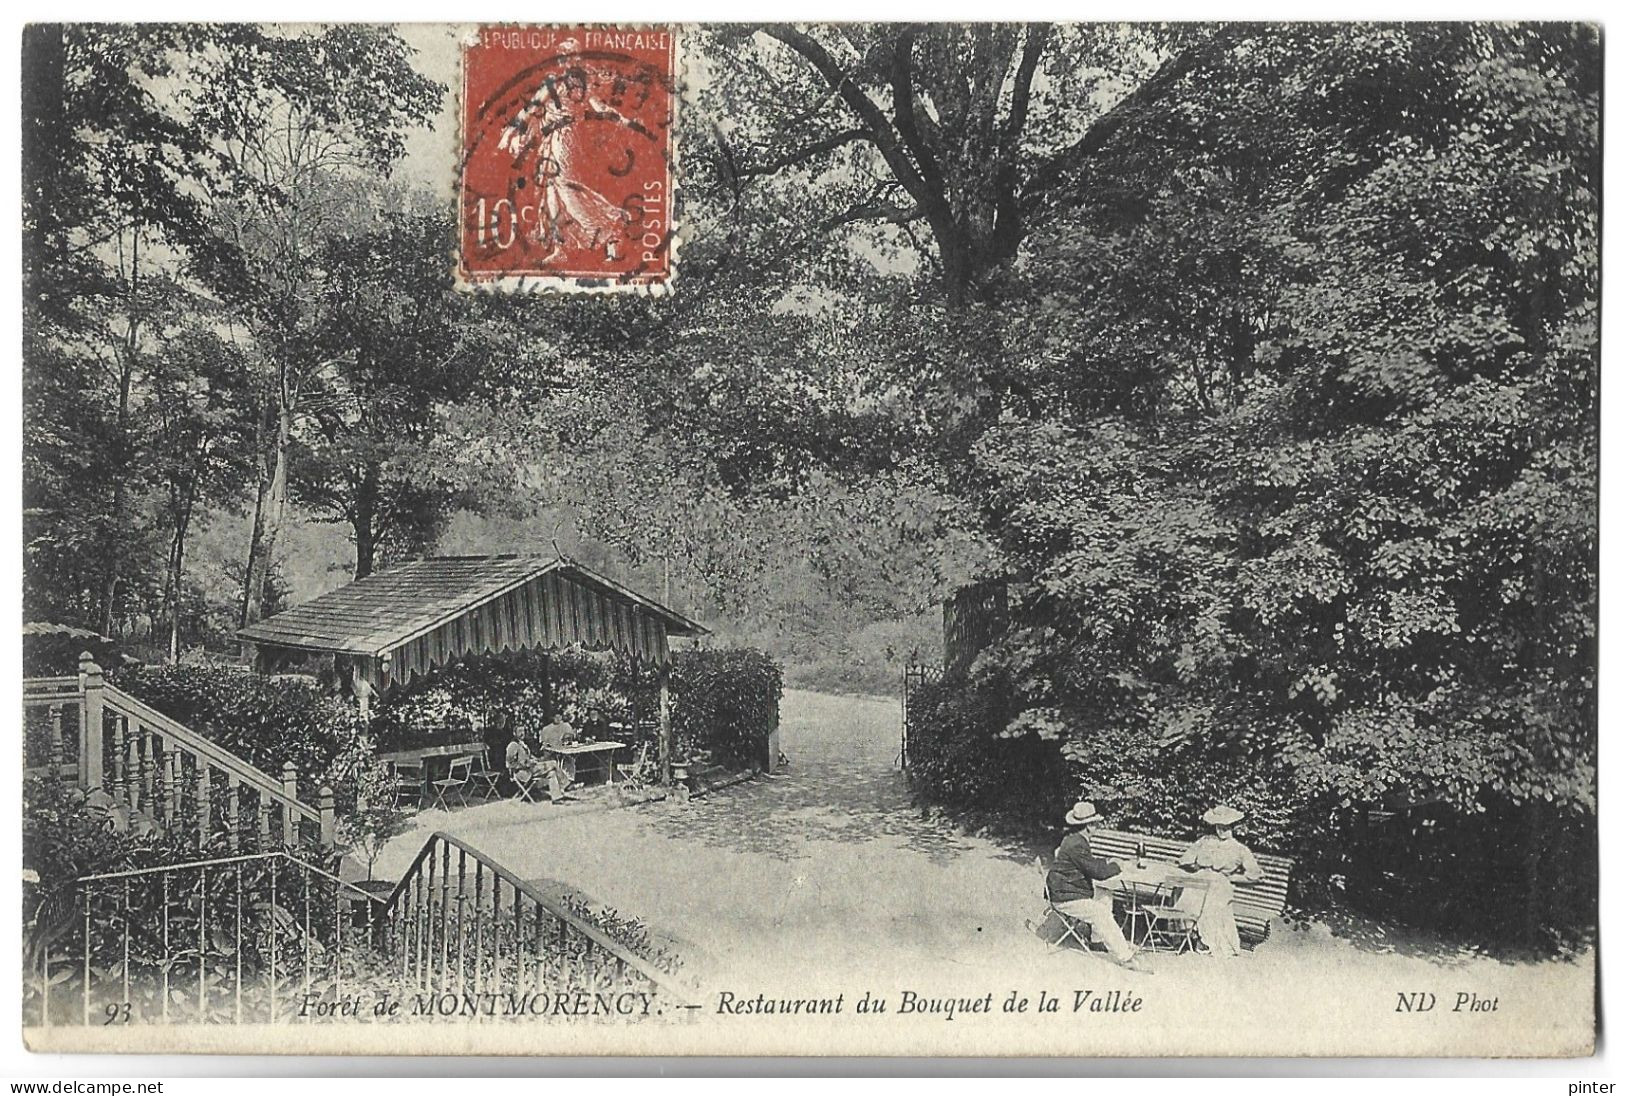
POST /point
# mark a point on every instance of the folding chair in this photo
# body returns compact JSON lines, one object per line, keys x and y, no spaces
{"x":454,"y":782}
{"x":1171,"y":925}
{"x":482,"y":775}
{"x":408,"y":777}
{"x":526,"y":782}
{"x":1072,"y":928}
{"x":634,"y":779}
{"x":527,"y":789}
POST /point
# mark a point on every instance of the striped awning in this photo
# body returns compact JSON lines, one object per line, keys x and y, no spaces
{"x":409,"y":620}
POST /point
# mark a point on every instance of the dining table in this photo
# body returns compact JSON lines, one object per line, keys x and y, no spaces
{"x":1136,"y":887}
{"x":436,"y":759}
{"x":600,"y":756}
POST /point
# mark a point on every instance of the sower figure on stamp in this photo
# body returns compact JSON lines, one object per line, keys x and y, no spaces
{"x":1072,"y":889}
{"x":570,"y":214}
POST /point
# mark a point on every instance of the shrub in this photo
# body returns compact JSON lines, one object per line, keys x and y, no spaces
{"x":376,"y":819}
{"x":67,"y":834}
{"x":266,"y":721}
{"x":958,"y":756}
{"x":725,"y":701}
{"x":627,"y":931}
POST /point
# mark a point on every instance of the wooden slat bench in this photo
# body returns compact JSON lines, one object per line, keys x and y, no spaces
{"x":1257,"y":904}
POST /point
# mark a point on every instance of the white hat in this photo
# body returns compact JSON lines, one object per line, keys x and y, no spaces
{"x":1223,"y":816}
{"x":1082,"y":811}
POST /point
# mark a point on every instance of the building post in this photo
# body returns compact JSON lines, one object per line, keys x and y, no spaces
{"x":90,"y":722}
{"x":361,"y":689}
{"x":665,"y":723}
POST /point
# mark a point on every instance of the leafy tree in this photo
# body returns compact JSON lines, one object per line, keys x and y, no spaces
{"x":392,"y":325}
{"x":1361,"y":552}
{"x":309,"y":143}
{"x":158,"y":158}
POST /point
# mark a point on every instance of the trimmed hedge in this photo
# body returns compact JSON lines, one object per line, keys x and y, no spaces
{"x":725,"y":701}
{"x":266,"y":721}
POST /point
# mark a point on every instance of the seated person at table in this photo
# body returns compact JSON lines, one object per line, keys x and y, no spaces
{"x":561,"y":769}
{"x":1221,"y":860}
{"x":521,"y":764}
{"x":1073,"y":888}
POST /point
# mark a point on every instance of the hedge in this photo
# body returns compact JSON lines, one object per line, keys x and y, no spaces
{"x":725,"y":702}
{"x":1427,"y":867}
{"x":957,"y":757}
{"x":590,"y":689}
{"x":266,"y":721}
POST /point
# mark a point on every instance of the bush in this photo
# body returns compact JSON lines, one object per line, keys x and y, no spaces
{"x":958,"y":757}
{"x":67,"y":834}
{"x":726,"y":702}
{"x":630,"y":932}
{"x":266,"y":721}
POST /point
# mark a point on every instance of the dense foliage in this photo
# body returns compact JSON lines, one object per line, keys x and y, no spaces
{"x":726,"y":702}
{"x":266,"y":721}
{"x":1323,"y":537}
{"x":519,"y":692}
{"x":1262,"y":359}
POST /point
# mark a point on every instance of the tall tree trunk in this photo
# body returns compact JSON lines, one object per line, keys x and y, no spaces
{"x":177,"y":560}
{"x":270,"y":510}
{"x":364,"y":520}
{"x":44,"y":139}
{"x":121,"y":439}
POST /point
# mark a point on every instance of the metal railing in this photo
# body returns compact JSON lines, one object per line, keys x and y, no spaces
{"x":238,"y":939}
{"x":461,"y":923}
{"x":915,"y":675}
{"x":150,"y":766}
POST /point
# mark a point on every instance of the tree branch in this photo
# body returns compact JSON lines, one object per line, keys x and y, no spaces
{"x":1007,"y":219}
{"x":804,"y":153}
{"x":1127,"y":110}
{"x":902,"y":89}
{"x":880,"y":129}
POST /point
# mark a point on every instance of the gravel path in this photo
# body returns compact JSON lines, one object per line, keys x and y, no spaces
{"x":825,"y":879}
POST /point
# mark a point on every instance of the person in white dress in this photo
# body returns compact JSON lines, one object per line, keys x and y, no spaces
{"x":1221,"y":861}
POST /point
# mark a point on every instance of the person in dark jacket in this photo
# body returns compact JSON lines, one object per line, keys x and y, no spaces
{"x":1073,"y":889}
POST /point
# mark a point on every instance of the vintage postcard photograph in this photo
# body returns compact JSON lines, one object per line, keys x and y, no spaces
{"x":955,"y":539}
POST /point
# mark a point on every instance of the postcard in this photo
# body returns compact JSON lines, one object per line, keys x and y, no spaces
{"x":1007,"y":539}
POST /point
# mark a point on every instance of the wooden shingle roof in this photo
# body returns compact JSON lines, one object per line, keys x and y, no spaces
{"x":376,"y":614}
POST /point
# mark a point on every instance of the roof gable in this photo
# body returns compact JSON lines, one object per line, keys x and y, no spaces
{"x":376,"y":614}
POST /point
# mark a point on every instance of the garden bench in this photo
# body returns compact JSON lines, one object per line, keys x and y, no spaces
{"x":1257,"y":904}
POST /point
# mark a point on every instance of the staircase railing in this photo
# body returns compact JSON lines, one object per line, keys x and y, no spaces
{"x":462,"y":923}
{"x":151,"y":766}
{"x":240,"y":939}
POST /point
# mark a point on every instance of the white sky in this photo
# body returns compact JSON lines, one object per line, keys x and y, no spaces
{"x":431,"y":153}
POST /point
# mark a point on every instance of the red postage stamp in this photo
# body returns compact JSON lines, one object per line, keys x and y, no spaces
{"x":566,"y":175}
